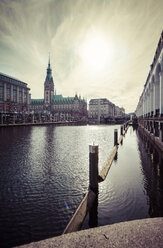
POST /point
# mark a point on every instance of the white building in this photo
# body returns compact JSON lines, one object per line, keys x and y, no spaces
{"x":151,"y":100}
{"x":14,"y":95}
{"x":102,"y":109}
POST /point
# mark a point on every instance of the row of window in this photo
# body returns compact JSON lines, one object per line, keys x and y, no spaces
{"x":96,"y":108}
{"x":102,"y":111}
{"x":102,"y":106}
{"x":65,"y":106}
{"x":8,"y":86}
{"x":1,"y":93}
{"x":37,"y":107}
{"x":8,"y":96}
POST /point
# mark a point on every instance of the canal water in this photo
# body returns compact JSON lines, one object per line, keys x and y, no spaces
{"x":44,"y":173}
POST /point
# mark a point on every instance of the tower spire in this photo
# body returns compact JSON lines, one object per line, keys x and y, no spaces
{"x":48,"y":85}
{"x":49,"y":60}
{"x":49,"y":70}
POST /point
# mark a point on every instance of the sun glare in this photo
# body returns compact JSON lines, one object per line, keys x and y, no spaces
{"x":96,"y":53}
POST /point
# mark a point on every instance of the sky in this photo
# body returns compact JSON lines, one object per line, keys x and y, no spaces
{"x":98,"y":48}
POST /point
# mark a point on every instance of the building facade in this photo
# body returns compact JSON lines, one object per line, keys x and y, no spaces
{"x":149,"y":110}
{"x":100,"y":109}
{"x":151,"y":100}
{"x":56,"y":107}
{"x":14,"y":96}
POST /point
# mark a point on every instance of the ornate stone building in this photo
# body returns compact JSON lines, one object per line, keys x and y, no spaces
{"x":56,"y":107}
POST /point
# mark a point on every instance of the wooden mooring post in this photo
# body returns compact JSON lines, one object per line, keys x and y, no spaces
{"x":93,"y":168}
{"x":90,"y":201}
{"x":90,"y":198}
{"x":77,"y":219}
{"x":115,"y":137}
{"x":121,"y":130}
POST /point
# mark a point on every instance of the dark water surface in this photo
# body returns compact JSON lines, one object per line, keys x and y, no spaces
{"x":44,"y":172}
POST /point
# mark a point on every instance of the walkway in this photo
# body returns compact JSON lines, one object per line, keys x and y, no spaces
{"x":146,"y":233}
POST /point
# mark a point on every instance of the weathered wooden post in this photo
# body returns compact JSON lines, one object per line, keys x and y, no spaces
{"x":115,"y":137}
{"x":93,"y":183}
{"x":93,"y":213}
{"x":93,"y":168}
{"x":121,"y":130}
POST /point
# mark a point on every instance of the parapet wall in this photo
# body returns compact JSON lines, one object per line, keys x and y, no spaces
{"x":145,"y":233}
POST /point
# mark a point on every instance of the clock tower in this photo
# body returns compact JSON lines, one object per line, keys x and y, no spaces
{"x":48,"y":87}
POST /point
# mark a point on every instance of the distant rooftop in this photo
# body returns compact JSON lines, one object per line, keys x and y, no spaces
{"x":37,"y":101}
{"x":61,"y":99}
{"x":57,"y":99}
{"x":103,"y":100}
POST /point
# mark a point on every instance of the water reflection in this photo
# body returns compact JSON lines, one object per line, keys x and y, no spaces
{"x":45,"y":171}
{"x":152,"y":168}
{"x":93,"y":214}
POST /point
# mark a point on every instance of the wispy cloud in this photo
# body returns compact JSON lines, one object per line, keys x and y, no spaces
{"x":30,"y":29}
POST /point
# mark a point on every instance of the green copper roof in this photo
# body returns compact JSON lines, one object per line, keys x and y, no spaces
{"x":57,"y":99}
{"x":37,"y":101}
{"x":61,"y":99}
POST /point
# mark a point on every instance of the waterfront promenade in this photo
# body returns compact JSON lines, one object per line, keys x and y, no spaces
{"x":149,"y":110}
{"x":145,"y":233}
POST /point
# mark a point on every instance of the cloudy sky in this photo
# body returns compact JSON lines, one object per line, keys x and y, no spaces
{"x":98,"y":48}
